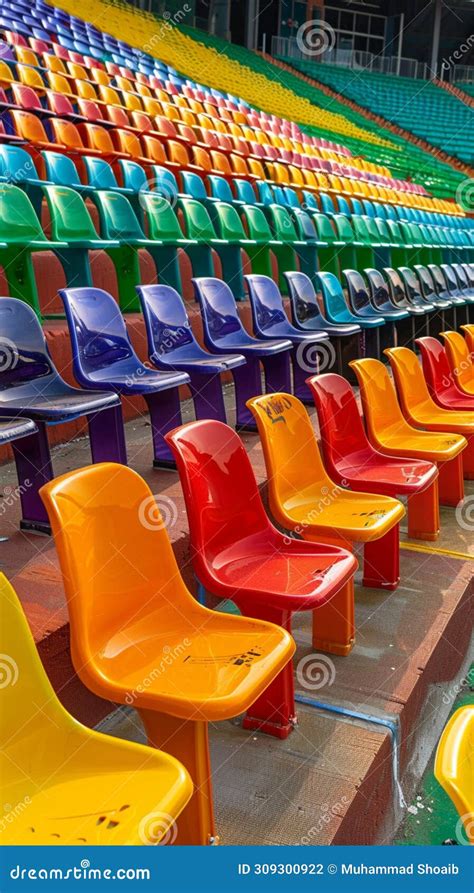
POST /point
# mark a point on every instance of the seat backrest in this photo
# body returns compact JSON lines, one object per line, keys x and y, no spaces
{"x":411,"y":283}
{"x":16,"y":164}
{"x":266,"y":301}
{"x":28,"y":126}
{"x":436,"y":368}
{"x":228,"y":223}
{"x":29,"y":704}
{"x":257,"y":223}
{"x":220,"y":188}
{"x":60,"y":169}
{"x":117,"y":217}
{"x":193,"y":185}
{"x":23,"y":347}
{"x":438,"y":279}
{"x":291,"y":452}
{"x":198,"y":223}
{"x":377,"y":392}
{"x":306,"y":230}
{"x":425,"y":280}
{"x":97,"y":331}
{"x":107,"y":528}
{"x":460,"y":360}
{"x":18,"y":221}
{"x":163,"y":223}
{"x":340,"y":425}
{"x":245,"y":191}
{"x":410,"y":383}
{"x":70,"y":219}
{"x":454,"y":764}
{"x":450,"y":277}
{"x":333,"y":296}
{"x":357,"y":289}
{"x":303,"y":297}
{"x":221,"y":493}
{"x":397,"y":288}
{"x":99,"y":172}
{"x":166,"y":321}
{"x":133,"y":175}
{"x":218,"y":309}
{"x":282,"y":224}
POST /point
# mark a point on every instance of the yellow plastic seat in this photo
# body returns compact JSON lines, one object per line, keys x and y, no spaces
{"x":454,"y":765}
{"x":460,"y":360}
{"x":389,"y":431}
{"x":30,"y":77}
{"x":421,"y":410}
{"x":139,"y":637}
{"x":303,"y":498}
{"x":68,"y":784}
{"x":469,"y":336}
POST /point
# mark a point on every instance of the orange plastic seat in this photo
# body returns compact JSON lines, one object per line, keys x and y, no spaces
{"x":6,"y":75}
{"x":132,"y":102}
{"x":469,"y":336}
{"x":460,"y":361}
{"x":152,"y":106}
{"x":454,"y":765}
{"x":100,"y":77}
{"x":303,"y":498}
{"x":78,"y":72}
{"x":390,"y":432}
{"x":26,"y":56}
{"x":86,"y":90}
{"x":76,"y":786}
{"x":421,"y":410}
{"x":128,"y":144}
{"x":67,"y":135}
{"x":110,"y":96}
{"x":54,"y":63}
{"x":59,"y":84}
{"x":30,"y":128}
{"x":139,"y":637}
{"x":98,"y":138}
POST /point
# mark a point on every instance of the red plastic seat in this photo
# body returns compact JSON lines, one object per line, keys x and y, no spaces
{"x":439,"y":378}
{"x":352,"y":461}
{"x":239,"y":555}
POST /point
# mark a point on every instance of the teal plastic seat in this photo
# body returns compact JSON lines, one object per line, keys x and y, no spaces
{"x":221,"y":191}
{"x":18,"y":167}
{"x":100,"y":175}
{"x":61,"y":171}
{"x":20,"y":235}
{"x":245,"y":192}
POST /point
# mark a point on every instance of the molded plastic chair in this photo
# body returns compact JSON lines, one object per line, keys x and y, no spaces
{"x":353,"y":462}
{"x":270,"y":321}
{"x":108,"y":529}
{"x":303,"y":498}
{"x":460,"y":361}
{"x":31,"y":388}
{"x":439,"y":378}
{"x":389,"y":431}
{"x":469,"y":336}
{"x":80,"y":787}
{"x":454,"y":764}
{"x":172,"y":345}
{"x":336,"y":310}
{"x":104,"y":359}
{"x":223,"y":331}
{"x":238,"y":554}
{"x":419,"y":408}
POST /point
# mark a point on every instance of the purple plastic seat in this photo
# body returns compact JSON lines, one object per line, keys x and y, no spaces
{"x":103,"y":358}
{"x":223,"y":332}
{"x":31,"y":388}
{"x":270,"y":321}
{"x":172,"y":346}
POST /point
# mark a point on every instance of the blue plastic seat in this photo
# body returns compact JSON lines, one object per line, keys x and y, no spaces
{"x":32,"y":388}
{"x":335,"y":305}
{"x":221,"y":191}
{"x":18,"y":167}
{"x":193,"y":185}
{"x":100,"y":175}
{"x":103,"y":358}
{"x":245,"y":192}
{"x":306,"y":315}
{"x":271,"y":321}
{"x":224,"y":332}
{"x":61,"y":170}
{"x":172,"y":345}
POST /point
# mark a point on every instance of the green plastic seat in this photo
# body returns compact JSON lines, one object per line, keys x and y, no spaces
{"x":20,"y":235}
{"x":259,"y":231}
{"x":199,"y":227}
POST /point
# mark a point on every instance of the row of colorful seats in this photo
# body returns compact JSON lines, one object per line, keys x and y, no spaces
{"x":228,"y":664}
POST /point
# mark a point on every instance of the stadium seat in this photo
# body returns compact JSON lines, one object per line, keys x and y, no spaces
{"x":104,"y":359}
{"x":460,"y":361}
{"x":419,"y":408}
{"x":442,"y":385}
{"x":390,"y":433}
{"x":454,"y":764}
{"x":31,"y":388}
{"x":353,"y":462}
{"x":304,"y":499}
{"x":240,"y":555}
{"x":172,"y":345}
{"x":80,"y":787}
{"x":101,"y":517}
{"x":361,"y":304}
{"x":337,"y":311}
{"x":270,"y":321}
{"x":469,"y":336}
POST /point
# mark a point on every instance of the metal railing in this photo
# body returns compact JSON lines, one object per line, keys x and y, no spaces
{"x":290,"y":48}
